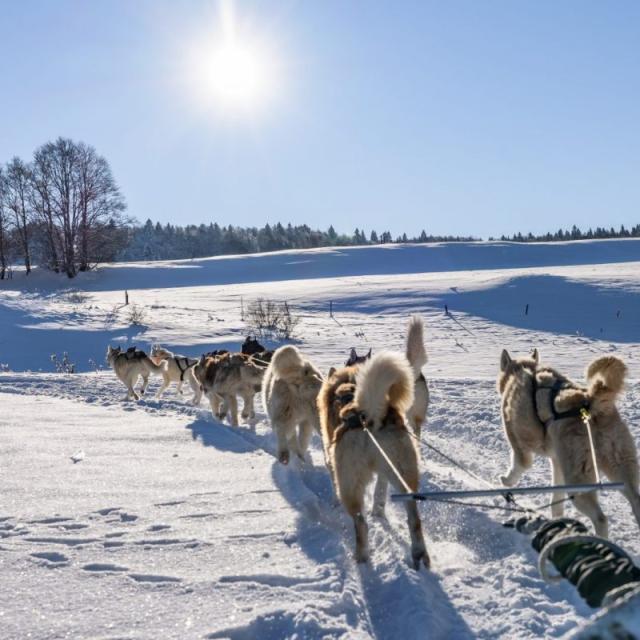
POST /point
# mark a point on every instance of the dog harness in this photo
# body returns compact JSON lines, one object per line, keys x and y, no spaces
{"x":554,"y":390}
{"x":184,"y":364}
{"x":133,"y":353}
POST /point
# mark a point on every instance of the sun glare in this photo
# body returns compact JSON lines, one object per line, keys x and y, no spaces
{"x":233,"y":69}
{"x":239,"y":75}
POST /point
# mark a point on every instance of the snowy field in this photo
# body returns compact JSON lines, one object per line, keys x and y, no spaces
{"x":174,"y":525}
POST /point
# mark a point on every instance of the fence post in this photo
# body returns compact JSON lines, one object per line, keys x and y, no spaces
{"x":331,"y":308}
{"x":126,"y":298}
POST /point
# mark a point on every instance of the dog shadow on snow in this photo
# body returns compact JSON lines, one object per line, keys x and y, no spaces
{"x":241,"y":439}
{"x":399,"y":601}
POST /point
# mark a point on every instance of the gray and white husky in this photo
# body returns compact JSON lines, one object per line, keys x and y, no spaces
{"x":132,"y":364}
{"x":179,"y":370}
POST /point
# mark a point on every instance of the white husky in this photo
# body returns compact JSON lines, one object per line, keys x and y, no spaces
{"x":417,"y":356}
{"x":375,"y":396}
{"x":179,"y":369}
{"x":132,"y":364}
{"x":289,"y":391}
{"x":541,"y":414}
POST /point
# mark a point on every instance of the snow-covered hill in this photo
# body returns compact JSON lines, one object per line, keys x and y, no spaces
{"x":174,"y":525}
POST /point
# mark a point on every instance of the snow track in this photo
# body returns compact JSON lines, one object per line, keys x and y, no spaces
{"x":152,"y":519}
{"x":477,"y":565}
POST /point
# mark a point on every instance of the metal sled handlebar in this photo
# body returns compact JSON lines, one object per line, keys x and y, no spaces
{"x":515,"y":491}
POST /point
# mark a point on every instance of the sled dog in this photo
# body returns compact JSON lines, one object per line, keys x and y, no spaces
{"x":222,"y":378}
{"x":417,"y":357}
{"x":179,"y":369}
{"x":541,"y":414}
{"x":289,"y":391}
{"x":251,"y":346}
{"x":131,"y":364}
{"x":354,"y":358}
{"x":375,"y":396}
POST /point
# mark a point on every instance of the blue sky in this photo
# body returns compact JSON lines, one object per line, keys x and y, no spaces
{"x":462,"y":117}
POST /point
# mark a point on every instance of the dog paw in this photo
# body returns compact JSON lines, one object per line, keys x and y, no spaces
{"x":283,"y":456}
{"x":362,"y":556}
{"x":506,"y":481}
{"x":421,"y":557}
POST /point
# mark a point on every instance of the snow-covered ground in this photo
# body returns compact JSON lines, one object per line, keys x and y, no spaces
{"x":174,"y":525}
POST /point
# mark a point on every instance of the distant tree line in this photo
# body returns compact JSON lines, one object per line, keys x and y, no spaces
{"x":576,"y":234}
{"x":154,"y":241}
{"x":62,"y":210}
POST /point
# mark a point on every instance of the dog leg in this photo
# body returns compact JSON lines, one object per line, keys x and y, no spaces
{"x":627,"y":472}
{"x":520,"y":462}
{"x":180,"y":387}
{"x":195,"y":387}
{"x":587,"y":503}
{"x":418,"y":548}
{"x":404,"y":457}
{"x":165,"y":383}
{"x":305,"y":431}
{"x":419,"y":552}
{"x":354,"y":504}
{"x":145,"y":383}
{"x":130,"y":383}
{"x":379,"y":497}
{"x":247,"y":406}
{"x":214,"y":402}
{"x":232,"y":403}
{"x":283,"y":431}
{"x":557,"y":510}
{"x":222,"y":407}
{"x":632,"y":495}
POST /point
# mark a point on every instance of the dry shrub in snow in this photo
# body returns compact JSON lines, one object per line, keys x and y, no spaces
{"x":136,"y":315}
{"x":271,"y":318}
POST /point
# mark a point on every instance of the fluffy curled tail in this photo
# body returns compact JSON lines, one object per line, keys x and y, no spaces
{"x":286,"y":360}
{"x":605,"y":377}
{"x":384,"y":381}
{"x":416,"y":353}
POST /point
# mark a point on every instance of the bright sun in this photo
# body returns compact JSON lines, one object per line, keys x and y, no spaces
{"x":233,"y":70}
{"x":239,"y":75}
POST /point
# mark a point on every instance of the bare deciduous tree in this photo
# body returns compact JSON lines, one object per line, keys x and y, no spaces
{"x":3,"y":227}
{"x":77,"y":206}
{"x":16,"y":197}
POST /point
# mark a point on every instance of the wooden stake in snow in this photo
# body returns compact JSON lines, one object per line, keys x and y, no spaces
{"x":126,"y":298}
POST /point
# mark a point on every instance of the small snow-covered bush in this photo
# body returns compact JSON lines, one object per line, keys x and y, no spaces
{"x":271,"y":318}
{"x":63,"y":366}
{"x":136,"y":315}
{"x":75,"y":297}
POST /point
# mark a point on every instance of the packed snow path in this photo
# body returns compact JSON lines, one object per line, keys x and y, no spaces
{"x":152,"y":519}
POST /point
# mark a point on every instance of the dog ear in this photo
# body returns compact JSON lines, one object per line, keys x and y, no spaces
{"x":535,"y":356}
{"x":331,"y":371}
{"x":505,"y":360}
